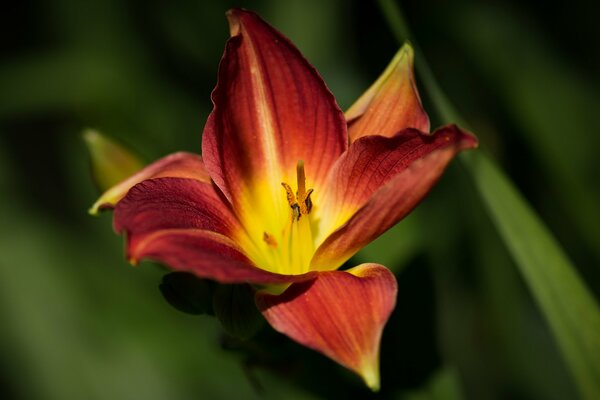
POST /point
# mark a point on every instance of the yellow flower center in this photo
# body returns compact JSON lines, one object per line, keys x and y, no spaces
{"x":285,"y":241}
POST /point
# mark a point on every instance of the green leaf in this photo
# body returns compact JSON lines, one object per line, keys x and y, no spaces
{"x":567,"y":304}
{"x":111,"y":162}
{"x":569,"y":307}
{"x":555,"y":127}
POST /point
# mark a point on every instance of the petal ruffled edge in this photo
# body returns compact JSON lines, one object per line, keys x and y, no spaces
{"x":391,"y":104}
{"x":340,"y":314}
{"x":176,"y":165}
{"x":377,"y":183}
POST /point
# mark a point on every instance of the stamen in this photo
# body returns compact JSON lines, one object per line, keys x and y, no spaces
{"x":296,"y":211}
{"x":307,"y":203}
{"x":290,"y":194}
{"x":301,"y":204}
{"x":292,"y":248}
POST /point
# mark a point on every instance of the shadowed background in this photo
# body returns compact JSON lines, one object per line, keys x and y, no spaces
{"x":78,"y":322}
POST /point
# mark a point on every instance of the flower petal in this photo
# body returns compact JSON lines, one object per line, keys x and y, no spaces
{"x":176,"y":165}
{"x":173,"y":203}
{"x":376,"y":183}
{"x":187,"y":225}
{"x":204,"y":253}
{"x":391,"y":104}
{"x":340,"y":314}
{"x":271,"y":109}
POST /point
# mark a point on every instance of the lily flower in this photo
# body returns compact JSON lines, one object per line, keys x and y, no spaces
{"x":288,"y":189}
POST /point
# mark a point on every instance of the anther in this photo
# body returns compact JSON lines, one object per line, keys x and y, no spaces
{"x":290,"y":194}
{"x":308,"y":201}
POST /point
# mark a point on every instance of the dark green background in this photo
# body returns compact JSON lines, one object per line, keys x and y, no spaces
{"x":77,"y":322}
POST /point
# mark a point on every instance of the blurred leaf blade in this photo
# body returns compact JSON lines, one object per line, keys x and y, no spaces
{"x":569,"y":307}
{"x":556,"y":127}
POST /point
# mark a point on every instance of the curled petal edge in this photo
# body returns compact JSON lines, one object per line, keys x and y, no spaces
{"x":340,"y":314}
{"x":205,"y":254}
{"x":381,"y":185}
{"x":176,"y":165}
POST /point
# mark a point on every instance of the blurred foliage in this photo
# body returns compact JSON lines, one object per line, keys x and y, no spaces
{"x":79,"y":322}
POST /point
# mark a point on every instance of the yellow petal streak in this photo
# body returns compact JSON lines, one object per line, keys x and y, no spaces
{"x":282,"y":244}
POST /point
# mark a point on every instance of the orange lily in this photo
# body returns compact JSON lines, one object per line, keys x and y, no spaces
{"x":289,"y":189}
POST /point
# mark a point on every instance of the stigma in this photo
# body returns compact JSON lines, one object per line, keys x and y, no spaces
{"x":300,"y":203}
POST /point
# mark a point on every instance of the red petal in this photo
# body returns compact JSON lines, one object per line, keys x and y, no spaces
{"x":205,"y":254}
{"x":173,"y":203}
{"x":271,"y":109}
{"x":391,"y":104}
{"x":187,"y":225}
{"x":340,"y":314}
{"x":377,"y":182}
{"x":177,"y":165}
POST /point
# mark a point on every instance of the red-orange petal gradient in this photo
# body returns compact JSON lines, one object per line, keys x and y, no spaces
{"x":340,"y":314}
{"x":378,"y":181}
{"x":173,"y":203}
{"x":392,"y":102}
{"x":206,"y":254}
{"x":271,"y":109}
{"x":187,"y":225}
{"x":176,"y":165}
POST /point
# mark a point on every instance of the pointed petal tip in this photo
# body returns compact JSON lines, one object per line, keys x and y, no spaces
{"x":100,"y":205}
{"x":232,"y":16}
{"x":392,"y":103}
{"x":468,"y":140}
{"x":90,"y":135}
{"x":408,"y":48}
{"x":370,"y":375}
{"x":324,"y":315}
{"x":405,"y":54}
{"x":263,"y":89}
